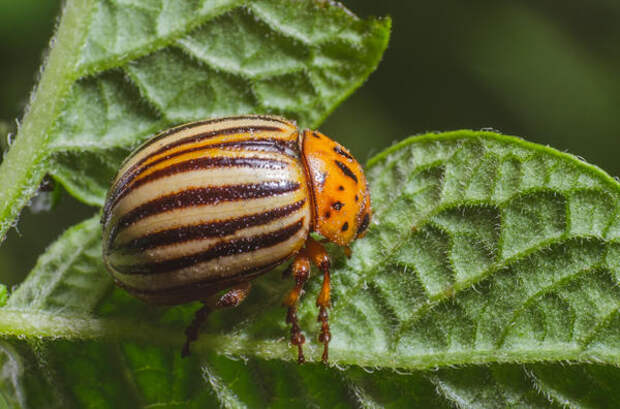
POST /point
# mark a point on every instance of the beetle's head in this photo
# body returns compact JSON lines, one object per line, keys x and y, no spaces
{"x":341,"y":201}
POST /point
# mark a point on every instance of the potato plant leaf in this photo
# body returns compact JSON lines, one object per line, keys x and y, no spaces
{"x":120,"y":71}
{"x":488,"y":279}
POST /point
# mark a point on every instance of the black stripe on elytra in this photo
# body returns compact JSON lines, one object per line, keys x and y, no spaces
{"x":346,"y":170}
{"x":223,"y":249}
{"x":203,"y":288}
{"x":288,"y":148}
{"x":121,"y":185}
{"x":191,"y":125}
{"x":203,"y":163}
{"x":208,"y":135}
{"x":219,"y":228}
{"x":206,"y":196}
{"x":341,"y":152}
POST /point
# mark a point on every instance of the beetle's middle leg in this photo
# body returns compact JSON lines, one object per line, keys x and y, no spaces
{"x":300,"y":268}
{"x":320,"y":258}
{"x":232,"y":298}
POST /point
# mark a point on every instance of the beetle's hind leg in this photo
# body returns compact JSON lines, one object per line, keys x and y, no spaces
{"x":319,"y":256}
{"x":231,"y":298}
{"x":191,"y":332}
{"x":300,"y":268}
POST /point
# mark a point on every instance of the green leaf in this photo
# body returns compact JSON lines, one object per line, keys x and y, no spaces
{"x":491,"y":263}
{"x":4,"y":295}
{"x":120,"y":71}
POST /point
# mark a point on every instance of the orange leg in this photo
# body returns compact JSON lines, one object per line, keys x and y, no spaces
{"x":231,"y":298}
{"x":301,"y":271}
{"x":319,"y":256}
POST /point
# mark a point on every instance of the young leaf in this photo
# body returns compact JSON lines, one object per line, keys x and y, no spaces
{"x":119,"y":72}
{"x":490,"y":263}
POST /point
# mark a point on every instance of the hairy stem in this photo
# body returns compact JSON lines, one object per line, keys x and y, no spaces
{"x":24,"y":165}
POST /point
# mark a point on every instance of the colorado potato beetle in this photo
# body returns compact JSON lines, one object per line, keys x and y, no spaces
{"x":209,"y":206}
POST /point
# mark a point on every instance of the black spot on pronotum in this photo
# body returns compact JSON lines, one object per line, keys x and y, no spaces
{"x":364,"y":224}
{"x":346,"y":170}
{"x":337,"y":205}
{"x":341,"y":188}
{"x":357,"y":198}
{"x":341,"y":152}
{"x":345,"y":226}
{"x":327,"y":214}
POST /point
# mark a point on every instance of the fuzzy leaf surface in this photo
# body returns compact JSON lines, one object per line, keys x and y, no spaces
{"x":491,"y":263}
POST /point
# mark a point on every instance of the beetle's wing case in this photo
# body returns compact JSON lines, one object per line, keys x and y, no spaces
{"x":206,"y":205}
{"x":206,"y":132}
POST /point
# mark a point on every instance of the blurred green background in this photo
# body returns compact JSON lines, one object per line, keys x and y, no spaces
{"x":544,"y":70}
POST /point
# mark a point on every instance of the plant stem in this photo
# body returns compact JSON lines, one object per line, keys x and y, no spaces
{"x":24,"y":165}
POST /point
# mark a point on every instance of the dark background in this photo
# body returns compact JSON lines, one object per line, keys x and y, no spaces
{"x":545,"y":70}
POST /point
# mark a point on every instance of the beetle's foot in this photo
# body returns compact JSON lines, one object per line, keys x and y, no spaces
{"x":192,"y":331}
{"x":297,"y":338}
{"x":323,"y":302}
{"x":324,"y":336}
{"x":300,"y":268}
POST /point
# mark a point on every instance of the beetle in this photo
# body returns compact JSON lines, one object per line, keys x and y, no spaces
{"x":200,"y":210}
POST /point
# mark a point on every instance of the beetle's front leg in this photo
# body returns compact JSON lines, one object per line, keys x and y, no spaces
{"x":300,"y":268}
{"x":319,"y":256}
{"x":232,"y":298}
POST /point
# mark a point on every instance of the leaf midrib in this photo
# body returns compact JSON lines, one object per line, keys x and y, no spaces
{"x":43,"y":325}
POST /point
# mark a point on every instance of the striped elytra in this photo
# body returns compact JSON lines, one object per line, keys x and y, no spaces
{"x":208,"y":206}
